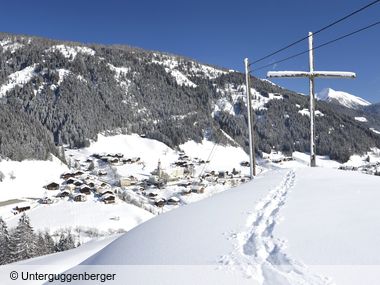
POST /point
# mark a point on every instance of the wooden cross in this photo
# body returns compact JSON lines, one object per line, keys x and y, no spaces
{"x":311,"y":75}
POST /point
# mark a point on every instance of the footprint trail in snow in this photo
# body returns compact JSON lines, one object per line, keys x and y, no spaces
{"x":259,"y":254}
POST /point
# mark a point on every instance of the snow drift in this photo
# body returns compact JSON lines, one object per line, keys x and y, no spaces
{"x":287,"y":226}
{"x":303,"y":226}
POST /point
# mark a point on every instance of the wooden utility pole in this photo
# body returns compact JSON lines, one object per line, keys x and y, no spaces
{"x":311,"y":75}
{"x":252,"y":159}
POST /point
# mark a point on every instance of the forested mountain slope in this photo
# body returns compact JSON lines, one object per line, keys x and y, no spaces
{"x":69,"y":92}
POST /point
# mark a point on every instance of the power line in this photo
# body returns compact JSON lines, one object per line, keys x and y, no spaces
{"x":212,"y":152}
{"x":316,"y":32}
{"x":317,"y":47}
{"x":208,"y":159}
{"x":346,"y":17}
{"x":301,"y":53}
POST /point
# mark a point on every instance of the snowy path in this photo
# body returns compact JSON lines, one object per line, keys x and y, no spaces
{"x":259,"y":254}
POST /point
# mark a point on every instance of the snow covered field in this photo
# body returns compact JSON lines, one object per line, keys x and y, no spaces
{"x":332,"y":221}
{"x":90,"y":215}
{"x":25,"y":179}
{"x":301,"y":226}
{"x":288,"y":226}
{"x":150,"y":151}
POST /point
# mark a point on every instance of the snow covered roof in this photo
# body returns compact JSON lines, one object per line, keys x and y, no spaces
{"x":84,"y":187}
{"x":159,"y":199}
{"x":105,"y":191}
{"x":153,"y":193}
{"x":108,"y":196}
{"x":175,"y":199}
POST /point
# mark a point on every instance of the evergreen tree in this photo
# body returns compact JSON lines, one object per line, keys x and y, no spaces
{"x":70,"y":241}
{"x":45,"y":243}
{"x":41,"y":244}
{"x":4,"y":242}
{"x":23,"y":243}
{"x":49,"y":243}
{"x":65,"y":242}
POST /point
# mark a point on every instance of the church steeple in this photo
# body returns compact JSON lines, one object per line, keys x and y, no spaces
{"x":159,"y":170}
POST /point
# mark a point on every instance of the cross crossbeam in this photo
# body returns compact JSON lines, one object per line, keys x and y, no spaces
{"x":331,"y":74}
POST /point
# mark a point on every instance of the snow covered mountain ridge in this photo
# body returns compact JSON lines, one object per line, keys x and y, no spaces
{"x":342,"y":98}
{"x":68,"y":93}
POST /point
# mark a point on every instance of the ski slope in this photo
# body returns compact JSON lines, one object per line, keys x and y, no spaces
{"x":287,"y":226}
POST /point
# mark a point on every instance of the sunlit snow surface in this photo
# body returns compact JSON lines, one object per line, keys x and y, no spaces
{"x":18,"y":78}
{"x":361,"y":119}
{"x":290,"y":225}
{"x":9,"y":45}
{"x":344,"y":98}
{"x":71,"y":52}
{"x":25,"y":179}
{"x":302,"y":226}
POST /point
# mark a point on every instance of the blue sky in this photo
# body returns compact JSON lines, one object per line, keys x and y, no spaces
{"x":218,"y":32}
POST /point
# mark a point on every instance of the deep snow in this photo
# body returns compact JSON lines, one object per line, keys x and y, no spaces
{"x":290,"y":225}
{"x":297,"y":226}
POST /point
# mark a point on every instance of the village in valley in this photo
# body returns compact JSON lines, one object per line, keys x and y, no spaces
{"x":98,"y":177}
{"x":120,"y":181}
{"x":155,"y":178}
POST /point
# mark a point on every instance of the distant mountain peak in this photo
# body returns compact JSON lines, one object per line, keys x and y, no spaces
{"x":342,"y":98}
